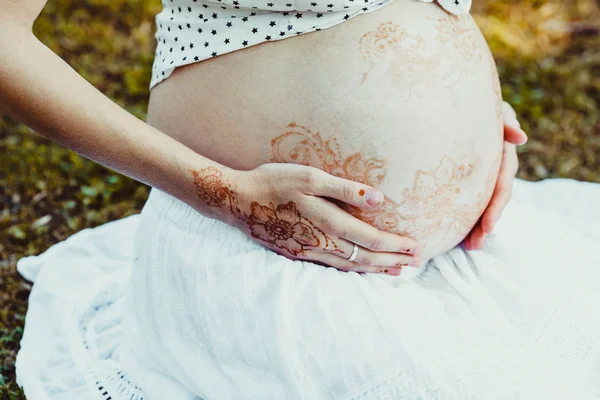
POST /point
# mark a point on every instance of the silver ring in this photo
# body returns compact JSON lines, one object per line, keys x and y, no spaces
{"x":354,"y":253}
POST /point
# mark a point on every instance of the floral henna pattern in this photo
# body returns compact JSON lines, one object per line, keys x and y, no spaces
{"x":299,"y":145}
{"x":408,"y":55}
{"x":430,"y":206}
{"x":281,"y":227}
{"x":434,"y":194}
{"x":210,"y":188}
{"x":381,"y":43}
{"x":459,"y":33}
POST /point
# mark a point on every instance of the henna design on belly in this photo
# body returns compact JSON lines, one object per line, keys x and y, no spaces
{"x":459,"y":33}
{"x":300,"y":145}
{"x":417,"y":64}
{"x":281,"y":227}
{"x":379,"y":44}
{"x":430,"y":206}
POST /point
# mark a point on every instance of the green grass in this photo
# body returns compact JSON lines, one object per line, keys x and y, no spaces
{"x":549,"y":62}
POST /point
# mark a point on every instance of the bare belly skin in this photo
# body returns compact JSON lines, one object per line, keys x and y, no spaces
{"x":405,"y":98}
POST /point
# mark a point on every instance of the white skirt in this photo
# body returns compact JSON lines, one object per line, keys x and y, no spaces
{"x":172,"y":305}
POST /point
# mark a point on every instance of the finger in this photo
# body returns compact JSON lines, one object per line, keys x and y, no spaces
{"x":502,"y":192}
{"x":514,"y":135}
{"x":478,"y":238}
{"x":345,"y":190}
{"x":338,"y":222}
{"x":372,"y":258}
{"x":342,"y":264}
{"x":467,"y":241}
{"x":474,"y":237}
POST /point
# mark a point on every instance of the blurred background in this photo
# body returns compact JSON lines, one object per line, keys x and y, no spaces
{"x":548,"y":55}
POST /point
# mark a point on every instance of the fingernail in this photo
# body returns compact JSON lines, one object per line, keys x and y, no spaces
{"x":373,"y":197}
{"x":414,"y":264}
{"x":394,"y":272}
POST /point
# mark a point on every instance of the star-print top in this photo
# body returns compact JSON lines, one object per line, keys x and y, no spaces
{"x":189,"y":31}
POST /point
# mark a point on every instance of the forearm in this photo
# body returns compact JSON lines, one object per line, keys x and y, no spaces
{"x":42,"y":91}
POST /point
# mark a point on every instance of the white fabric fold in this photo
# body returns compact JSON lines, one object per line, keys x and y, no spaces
{"x":172,"y":305}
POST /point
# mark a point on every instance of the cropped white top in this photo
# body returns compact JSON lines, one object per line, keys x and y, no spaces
{"x":189,"y":31}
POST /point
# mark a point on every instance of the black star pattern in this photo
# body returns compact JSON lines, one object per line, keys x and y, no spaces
{"x":232,"y":42}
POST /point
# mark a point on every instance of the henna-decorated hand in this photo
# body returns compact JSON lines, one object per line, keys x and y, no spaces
{"x":285,"y":208}
{"x":513,"y":136}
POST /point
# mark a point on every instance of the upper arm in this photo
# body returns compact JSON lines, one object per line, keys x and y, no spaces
{"x":20,"y":13}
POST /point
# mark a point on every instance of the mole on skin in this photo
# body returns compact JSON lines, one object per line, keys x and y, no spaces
{"x":361,"y":192}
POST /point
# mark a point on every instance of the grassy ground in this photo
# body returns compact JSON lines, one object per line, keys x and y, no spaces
{"x":548,"y":54}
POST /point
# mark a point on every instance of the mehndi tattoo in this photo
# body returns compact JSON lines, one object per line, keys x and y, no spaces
{"x":281,"y":227}
{"x":429,"y":206}
{"x":408,"y":55}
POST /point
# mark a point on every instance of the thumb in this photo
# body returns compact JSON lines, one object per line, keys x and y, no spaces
{"x":514,"y":134}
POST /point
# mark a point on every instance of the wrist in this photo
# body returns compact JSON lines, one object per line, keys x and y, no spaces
{"x":213,"y":189}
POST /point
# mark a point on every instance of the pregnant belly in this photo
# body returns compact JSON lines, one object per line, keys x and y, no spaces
{"x":405,"y":98}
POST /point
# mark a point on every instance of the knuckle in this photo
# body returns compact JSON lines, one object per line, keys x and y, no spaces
{"x":348,"y":191}
{"x":326,"y":226}
{"x":309,"y":178}
{"x":374,"y":243}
